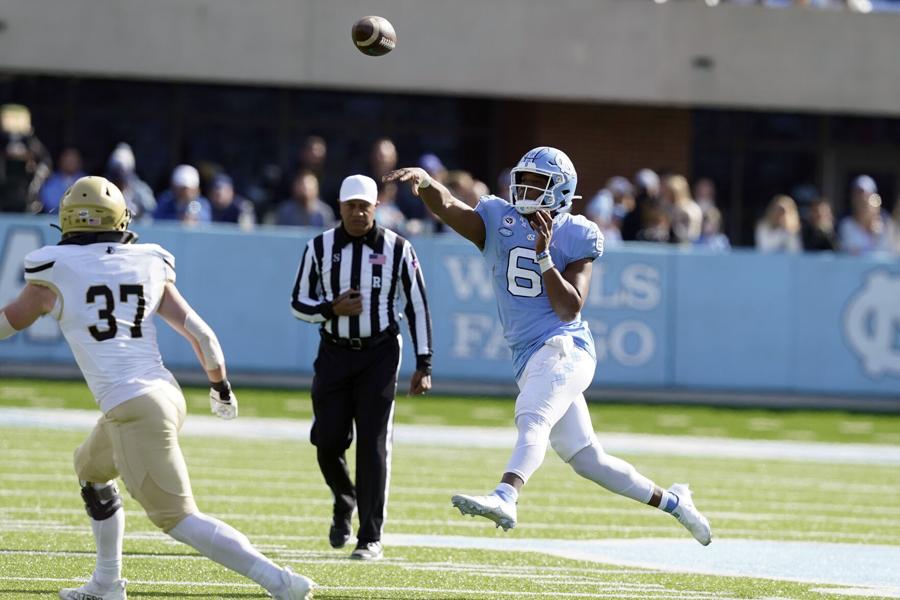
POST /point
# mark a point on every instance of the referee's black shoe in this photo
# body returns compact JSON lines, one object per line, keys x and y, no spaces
{"x":370,"y":551}
{"x":341,"y":530}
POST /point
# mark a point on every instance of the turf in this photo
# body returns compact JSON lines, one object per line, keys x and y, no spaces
{"x":274,"y":493}
{"x":805,"y":425}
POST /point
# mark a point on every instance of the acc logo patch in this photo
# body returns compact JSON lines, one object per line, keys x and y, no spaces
{"x":505,"y":232}
{"x":871,"y":323}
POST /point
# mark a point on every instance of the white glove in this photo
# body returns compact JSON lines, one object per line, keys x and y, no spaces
{"x":222,"y":401}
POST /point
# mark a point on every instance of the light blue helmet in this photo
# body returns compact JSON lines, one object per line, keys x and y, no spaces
{"x":561,"y":180}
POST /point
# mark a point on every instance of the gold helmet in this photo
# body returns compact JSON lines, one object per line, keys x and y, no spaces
{"x":93,"y":204}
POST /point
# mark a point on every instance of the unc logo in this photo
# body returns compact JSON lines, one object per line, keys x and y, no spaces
{"x":376,"y":282}
{"x":336,"y":257}
{"x":872,"y":324}
{"x":565,"y":165}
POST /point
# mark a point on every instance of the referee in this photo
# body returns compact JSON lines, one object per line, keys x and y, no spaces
{"x":349,"y":281}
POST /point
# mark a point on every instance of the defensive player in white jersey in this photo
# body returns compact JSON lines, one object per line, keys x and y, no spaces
{"x":541,"y":259}
{"x":104,"y":291}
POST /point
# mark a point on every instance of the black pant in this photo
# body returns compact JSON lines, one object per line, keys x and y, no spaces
{"x":356,"y":385}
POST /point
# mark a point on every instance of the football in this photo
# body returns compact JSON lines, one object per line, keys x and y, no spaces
{"x":374,"y":36}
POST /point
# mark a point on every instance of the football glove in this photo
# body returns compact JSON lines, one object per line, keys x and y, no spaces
{"x":222,"y":401}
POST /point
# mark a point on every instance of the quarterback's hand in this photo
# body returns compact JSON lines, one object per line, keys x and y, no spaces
{"x":414,"y":175}
{"x":419,"y":384}
{"x":542,"y":223}
{"x":222,"y":400}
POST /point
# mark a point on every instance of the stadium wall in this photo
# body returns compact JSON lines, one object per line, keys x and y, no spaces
{"x":662,"y":319}
{"x":626,"y":51}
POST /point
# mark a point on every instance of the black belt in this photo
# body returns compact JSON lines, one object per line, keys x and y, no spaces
{"x":360,"y":343}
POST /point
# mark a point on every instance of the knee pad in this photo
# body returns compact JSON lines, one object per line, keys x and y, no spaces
{"x":101,"y":503}
{"x":531,"y":445}
{"x":533,"y":430}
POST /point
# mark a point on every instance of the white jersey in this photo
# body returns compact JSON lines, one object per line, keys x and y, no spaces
{"x":107,"y":296}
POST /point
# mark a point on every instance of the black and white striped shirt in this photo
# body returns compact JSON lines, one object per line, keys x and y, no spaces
{"x":380,"y":265}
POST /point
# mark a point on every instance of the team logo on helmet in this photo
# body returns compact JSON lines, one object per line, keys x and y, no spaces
{"x":561,"y":179}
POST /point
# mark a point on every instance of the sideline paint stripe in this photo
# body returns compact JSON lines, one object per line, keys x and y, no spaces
{"x":491,"y":437}
{"x":808,"y":562}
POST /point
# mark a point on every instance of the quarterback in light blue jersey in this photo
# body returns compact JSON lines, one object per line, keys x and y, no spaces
{"x":541,"y":259}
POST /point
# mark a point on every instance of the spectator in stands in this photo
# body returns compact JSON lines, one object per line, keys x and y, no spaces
{"x":182,"y":201}
{"x":623,"y":196}
{"x":433,"y":166}
{"x":601,"y":210}
{"x":382,"y":158}
{"x":705,"y":194}
{"x":313,"y":157}
{"x":120,"y":169}
{"x":892,"y":237}
{"x":648,"y":221}
{"x":711,"y":236}
{"x":462,"y":185}
{"x":861,"y":188}
{"x":68,"y":171}
{"x":779,"y":229}
{"x":387,"y":214}
{"x":864,"y":230}
{"x":412,"y":207}
{"x":686,"y":216}
{"x":24,"y":163}
{"x":227,"y":206}
{"x":818,"y":227}
{"x":304,"y":208}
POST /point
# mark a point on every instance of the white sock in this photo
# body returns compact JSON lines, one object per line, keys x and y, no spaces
{"x":108,"y":535}
{"x":613,"y":473}
{"x":229,"y":547}
{"x":507,"y":492}
{"x":531,"y":446}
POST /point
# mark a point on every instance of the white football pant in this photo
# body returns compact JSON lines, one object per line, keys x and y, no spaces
{"x":551,"y":408}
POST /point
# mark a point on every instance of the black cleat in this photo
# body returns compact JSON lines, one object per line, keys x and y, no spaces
{"x":340,"y":532}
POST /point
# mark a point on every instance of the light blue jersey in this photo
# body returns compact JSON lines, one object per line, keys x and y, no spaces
{"x":526,"y":315}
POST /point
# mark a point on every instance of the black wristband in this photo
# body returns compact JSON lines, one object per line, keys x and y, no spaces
{"x":327,"y":309}
{"x":223,"y":387}
{"x":423,"y":363}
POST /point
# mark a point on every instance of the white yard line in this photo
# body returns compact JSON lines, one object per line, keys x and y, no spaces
{"x":637,"y":592}
{"x":491,"y":437}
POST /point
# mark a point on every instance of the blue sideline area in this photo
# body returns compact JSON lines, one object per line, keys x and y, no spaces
{"x":662,"y":318}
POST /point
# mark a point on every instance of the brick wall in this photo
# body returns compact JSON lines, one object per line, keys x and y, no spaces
{"x":602,"y":140}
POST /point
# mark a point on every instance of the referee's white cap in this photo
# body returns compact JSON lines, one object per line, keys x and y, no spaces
{"x":359,"y":187}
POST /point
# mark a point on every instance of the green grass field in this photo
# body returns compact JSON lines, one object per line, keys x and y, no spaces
{"x":802,"y":520}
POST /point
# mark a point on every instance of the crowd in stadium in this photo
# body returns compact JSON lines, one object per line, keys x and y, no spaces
{"x":649,"y":207}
